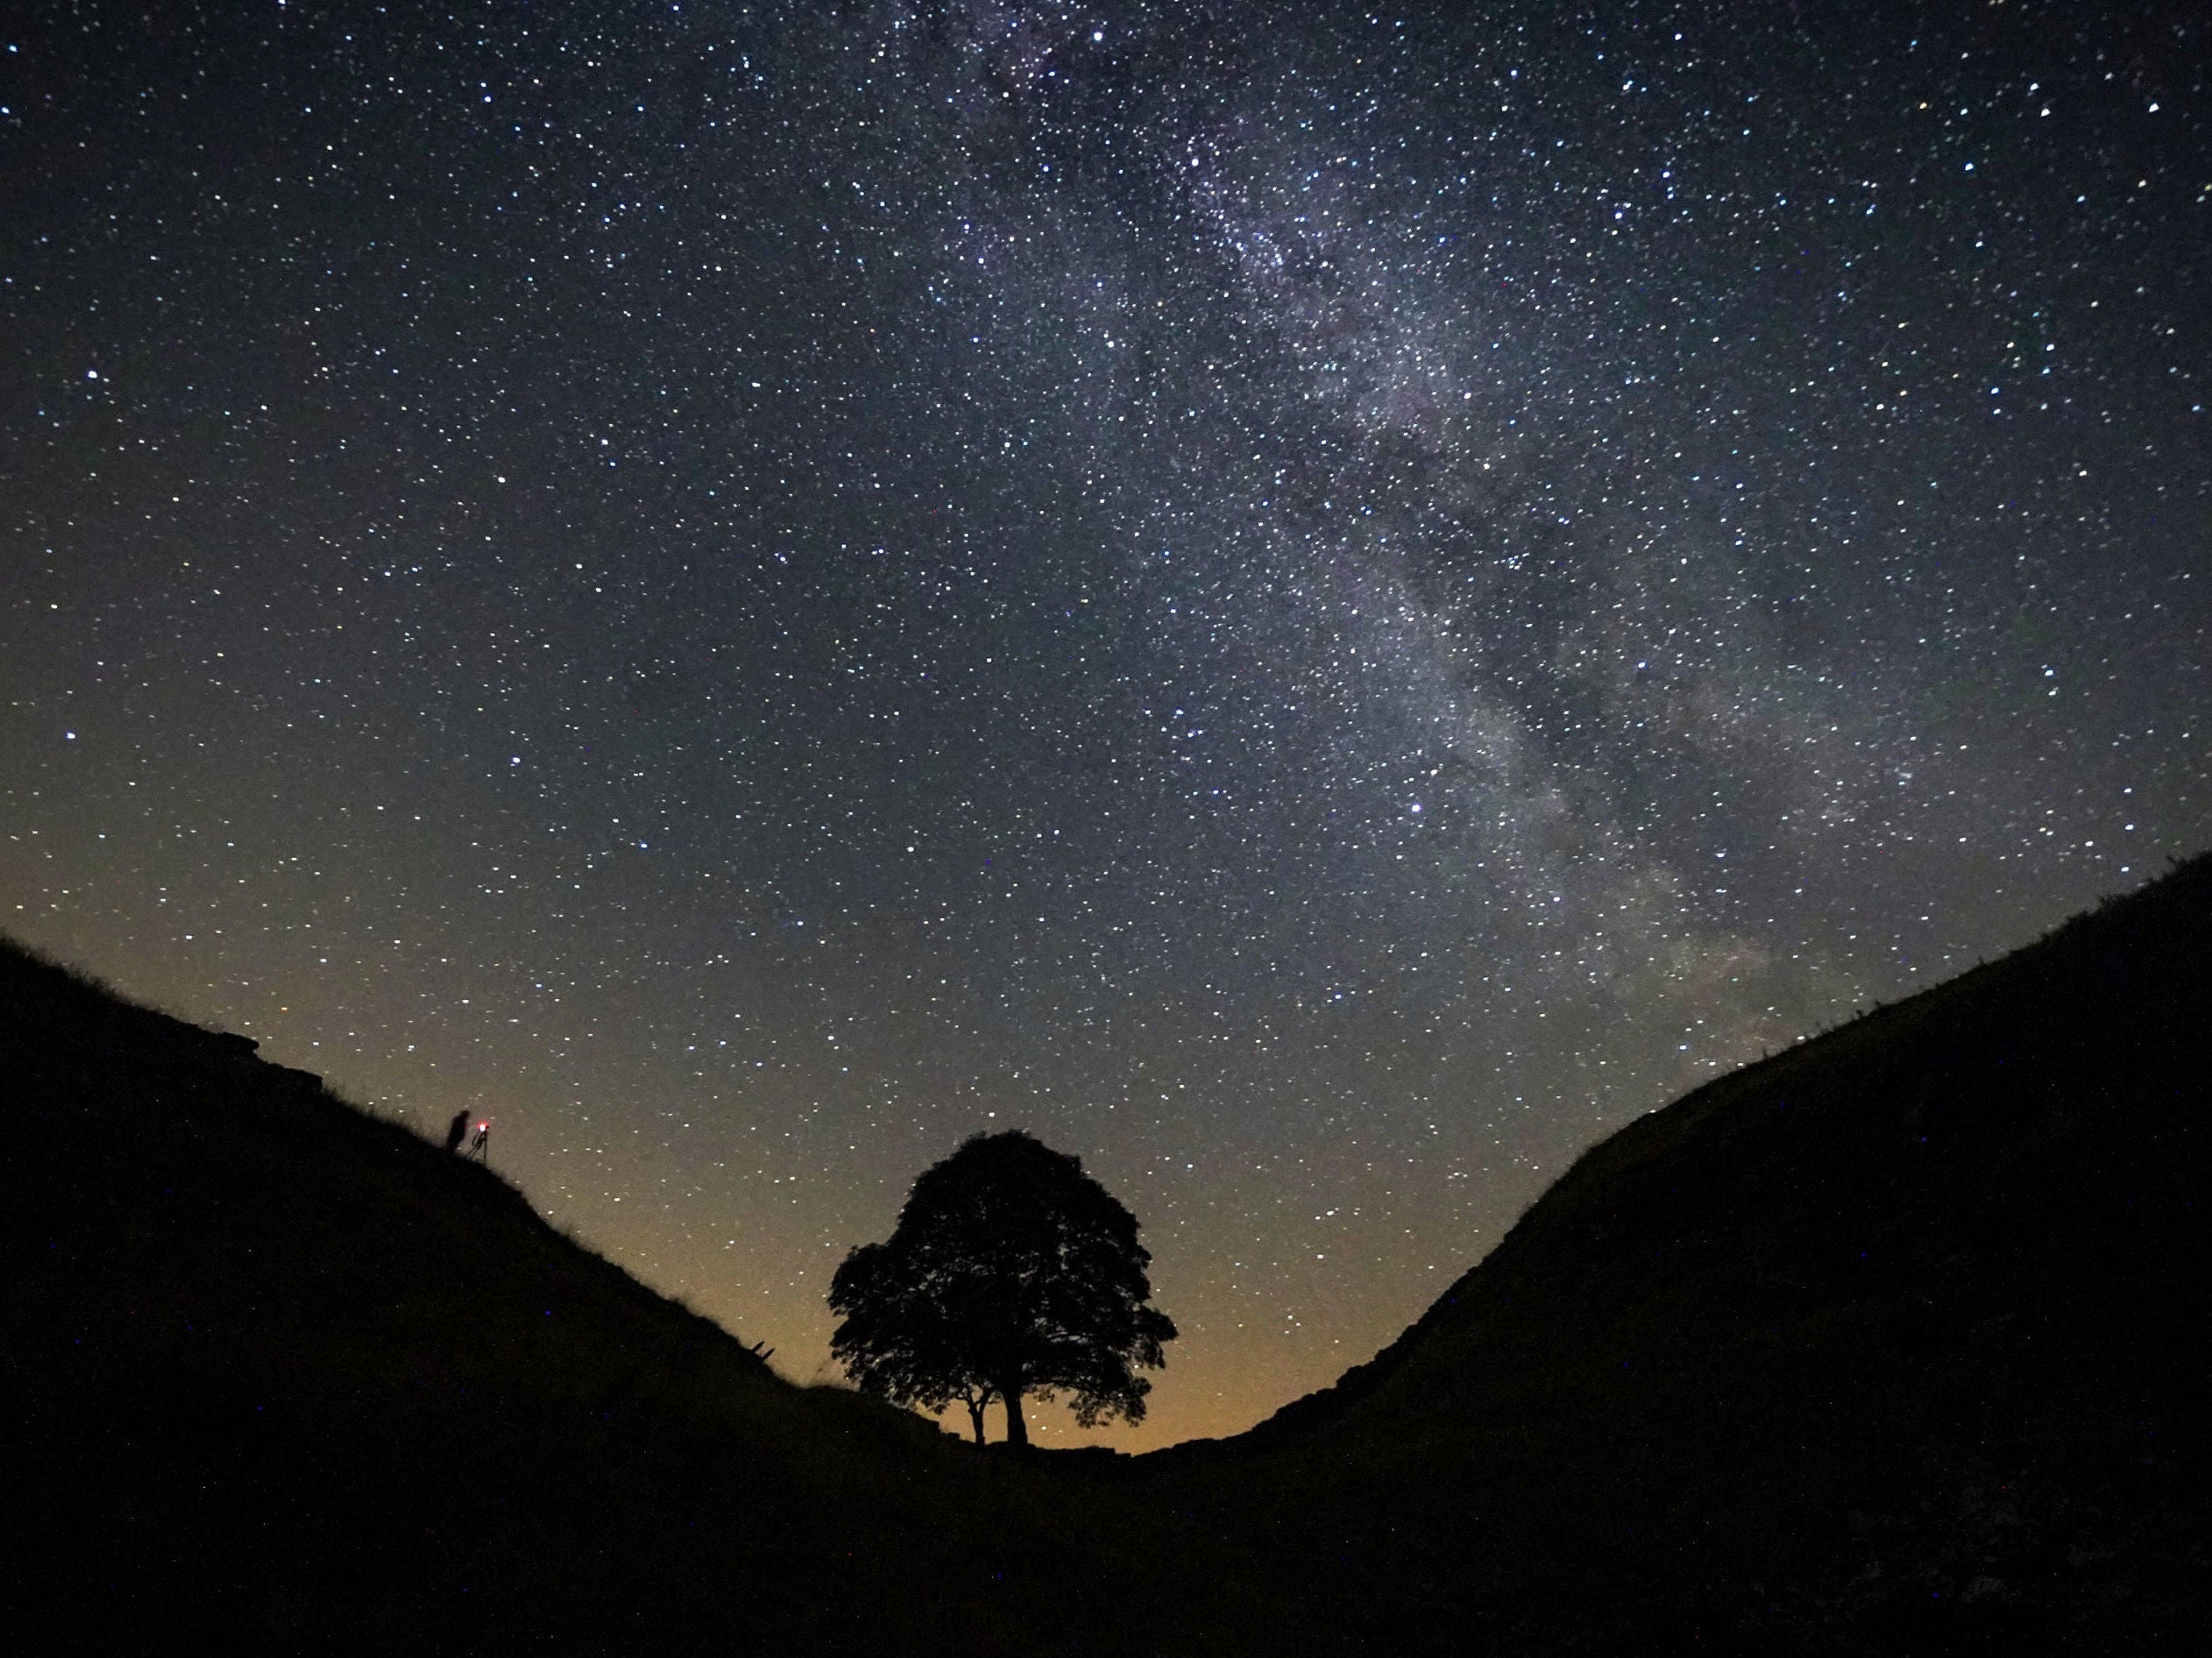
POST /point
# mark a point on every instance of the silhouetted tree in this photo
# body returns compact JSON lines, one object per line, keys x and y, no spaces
{"x":975,"y":1396}
{"x":1011,"y":1272}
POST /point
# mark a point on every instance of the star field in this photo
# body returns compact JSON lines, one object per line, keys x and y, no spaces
{"x":1316,"y":606}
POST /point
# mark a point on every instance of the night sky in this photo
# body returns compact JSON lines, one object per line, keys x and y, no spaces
{"x":1316,"y":606}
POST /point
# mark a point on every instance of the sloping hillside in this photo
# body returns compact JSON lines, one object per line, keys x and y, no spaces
{"x":280,"y":1376}
{"x":1895,"y":1340}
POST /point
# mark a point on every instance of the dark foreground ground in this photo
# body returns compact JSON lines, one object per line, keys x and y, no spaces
{"x":1895,"y":1342}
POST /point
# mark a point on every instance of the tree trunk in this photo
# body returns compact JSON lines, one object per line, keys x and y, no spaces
{"x":1017,"y":1429}
{"x":975,"y":1416}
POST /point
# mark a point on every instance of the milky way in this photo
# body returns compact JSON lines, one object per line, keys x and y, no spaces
{"x":1318,"y":606}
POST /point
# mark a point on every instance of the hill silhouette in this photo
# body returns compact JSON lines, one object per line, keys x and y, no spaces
{"x":1895,"y":1341}
{"x":280,"y":1376}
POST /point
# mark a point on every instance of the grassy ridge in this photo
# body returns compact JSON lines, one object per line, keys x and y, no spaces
{"x":279,"y":1373}
{"x":1897,"y":1341}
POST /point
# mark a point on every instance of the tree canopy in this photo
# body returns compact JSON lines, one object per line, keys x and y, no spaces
{"x":1011,"y":1272}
